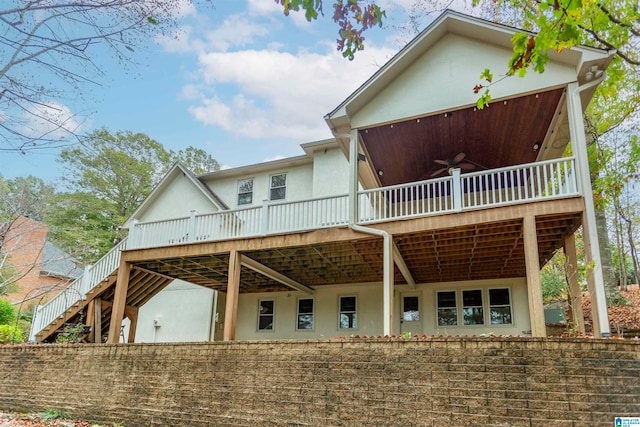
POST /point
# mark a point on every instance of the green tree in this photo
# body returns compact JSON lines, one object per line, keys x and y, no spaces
{"x":83,"y":225}
{"x":120,"y":168}
{"x":196,"y":160}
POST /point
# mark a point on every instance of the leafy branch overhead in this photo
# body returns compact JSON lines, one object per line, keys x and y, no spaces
{"x":557,"y":25}
{"x":353,"y":17}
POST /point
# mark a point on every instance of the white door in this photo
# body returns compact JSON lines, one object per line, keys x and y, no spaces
{"x":411,"y":316}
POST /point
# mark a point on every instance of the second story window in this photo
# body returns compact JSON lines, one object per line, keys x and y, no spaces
{"x":245,"y":191}
{"x":278,"y":189}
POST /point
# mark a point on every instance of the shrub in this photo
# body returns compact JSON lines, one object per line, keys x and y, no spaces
{"x":7,"y":312}
{"x":10,"y":334}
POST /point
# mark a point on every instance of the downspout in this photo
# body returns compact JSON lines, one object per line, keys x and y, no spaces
{"x":387,"y":282}
{"x":576,"y":127}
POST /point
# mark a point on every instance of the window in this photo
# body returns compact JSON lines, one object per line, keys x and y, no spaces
{"x":278,"y":187}
{"x":305,"y":314}
{"x":245,"y":191}
{"x":500,"y":306}
{"x":447,"y":309}
{"x":472,"y":310}
{"x":348,"y":315}
{"x":411,"y":309}
{"x":265,"y":315}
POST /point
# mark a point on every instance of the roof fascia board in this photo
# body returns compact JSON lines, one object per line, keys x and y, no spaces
{"x":258,"y":167}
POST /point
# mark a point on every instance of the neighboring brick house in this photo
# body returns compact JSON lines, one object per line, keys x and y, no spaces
{"x":40,"y":268}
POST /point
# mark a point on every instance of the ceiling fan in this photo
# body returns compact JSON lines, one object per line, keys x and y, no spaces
{"x":452,"y":163}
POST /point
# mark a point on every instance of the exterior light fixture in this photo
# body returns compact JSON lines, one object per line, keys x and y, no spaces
{"x":594,"y":71}
{"x":536,"y":146}
{"x":380,"y":172}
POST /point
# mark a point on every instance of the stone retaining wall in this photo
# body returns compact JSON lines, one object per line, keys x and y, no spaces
{"x":359,"y":382}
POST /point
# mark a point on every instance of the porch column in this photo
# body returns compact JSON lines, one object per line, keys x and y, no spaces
{"x":233,"y":289}
{"x":595,"y":278}
{"x":353,"y":177}
{"x":388,"y":286}
{"x":534,"y":288}
{"x":571,"y":267}
{"x":119,"y":302}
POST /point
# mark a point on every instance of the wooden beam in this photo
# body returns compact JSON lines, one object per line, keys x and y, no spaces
{"x":534,"y":288}
{"x":233,"y":289}
{"x":119,"y":302}
{"x":402,"y":266}
{"x":272,"y":274}
{"x":571,"y":267}
{"x":132,"y":315}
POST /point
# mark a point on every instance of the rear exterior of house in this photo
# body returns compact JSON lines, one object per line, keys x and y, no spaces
{"x":424,"y":214}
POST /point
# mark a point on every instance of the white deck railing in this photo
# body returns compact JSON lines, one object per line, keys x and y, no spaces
{"x":270,"y":218}
{"x":517,"y":184}
{"x":77,"y":290}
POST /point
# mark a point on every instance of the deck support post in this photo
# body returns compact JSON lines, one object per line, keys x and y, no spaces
{"x":90,"y":321}
{"x":233,"y":289}
{"x":534,"y":288}
{"x":595,"y":279}
{"x":97,"y":320}
{"x":571,"y":268}
{"x":119,"y":302}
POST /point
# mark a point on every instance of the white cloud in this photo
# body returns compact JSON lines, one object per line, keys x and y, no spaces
{"x":279,"y":94}
{"x":263,"y":7}
{"x":49,"y":120}
{"x":236,"y":30}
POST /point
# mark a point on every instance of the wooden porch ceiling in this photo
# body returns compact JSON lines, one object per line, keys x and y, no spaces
{"x":502,"y":134}
{"x":472,"y":252}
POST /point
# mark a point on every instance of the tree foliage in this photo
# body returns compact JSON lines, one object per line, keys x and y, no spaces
{"x":48,"y":50}
{"x":561,"y":24}
{"x":353,"y":17}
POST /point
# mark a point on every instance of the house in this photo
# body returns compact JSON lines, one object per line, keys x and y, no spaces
{"x":424,"y":214}
{"x":38,"y":267}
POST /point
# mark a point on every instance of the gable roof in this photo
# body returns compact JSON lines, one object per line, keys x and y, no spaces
{"x":452,"y":22}
{"x":173,"y":172}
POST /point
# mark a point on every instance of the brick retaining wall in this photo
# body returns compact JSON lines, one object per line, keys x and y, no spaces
{"x":360,"y":382}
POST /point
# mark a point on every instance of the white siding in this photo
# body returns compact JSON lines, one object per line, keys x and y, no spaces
{"x":299,"y":185}
{"x":176,"y":200}
{"x":330,"y":173}
{"x":183,"y":312}
{"x":369,"y":311}
{"x":444,"y":77}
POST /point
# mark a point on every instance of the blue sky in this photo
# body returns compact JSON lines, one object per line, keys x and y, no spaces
{"x":239,"y":80}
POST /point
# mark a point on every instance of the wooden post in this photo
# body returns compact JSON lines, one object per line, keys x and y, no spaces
{"x":119,"y":302}
{"x":97,"y":323}
{"x":534,"y":288}
{"x":592,"y":286}
{"x":233,"y":289}
{"x":132,"y":315}
{"x":90,"y":321}
{"x":572,"y":281}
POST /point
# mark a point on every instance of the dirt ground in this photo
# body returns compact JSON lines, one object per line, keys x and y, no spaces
{"x":36,"y":420}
